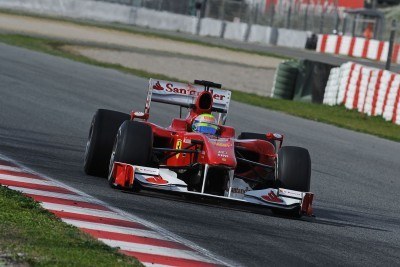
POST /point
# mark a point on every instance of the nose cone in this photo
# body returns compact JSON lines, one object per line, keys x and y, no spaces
{"x":220,"y":152}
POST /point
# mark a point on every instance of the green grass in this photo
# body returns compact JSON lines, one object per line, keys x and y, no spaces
{"x":336,"y":115}
{"x":33,"y":236}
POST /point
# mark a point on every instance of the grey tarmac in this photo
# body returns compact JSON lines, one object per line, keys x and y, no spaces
{"x":46,"y":104}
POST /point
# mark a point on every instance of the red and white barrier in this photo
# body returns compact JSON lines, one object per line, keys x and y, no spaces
{"x":371,"y":91}
{"x":356,"y":47}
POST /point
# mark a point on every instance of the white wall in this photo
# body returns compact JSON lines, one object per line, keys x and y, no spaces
{"x":112,"y":12}
{"x":165,"y":20}
{"x":210,"y":27}
{"x":235,"y":31}
{"x":260,"y":34}
{"x":292,"y":38}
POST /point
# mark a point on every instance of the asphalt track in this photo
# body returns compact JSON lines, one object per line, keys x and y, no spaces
{"x":46,"y":104}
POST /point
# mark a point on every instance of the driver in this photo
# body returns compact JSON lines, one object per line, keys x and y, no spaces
{"x":205,"y":123}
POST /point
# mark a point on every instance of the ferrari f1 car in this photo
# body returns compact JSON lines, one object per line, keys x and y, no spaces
{"x":136,"y":154}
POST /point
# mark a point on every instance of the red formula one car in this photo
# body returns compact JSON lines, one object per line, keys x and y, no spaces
{"x":198,"y":154}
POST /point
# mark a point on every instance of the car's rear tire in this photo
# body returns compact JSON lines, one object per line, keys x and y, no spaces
{"x":133,"y":145}
{"x":293,"y":168}
{"x":259,"y":136}
{"x":103,"y":129}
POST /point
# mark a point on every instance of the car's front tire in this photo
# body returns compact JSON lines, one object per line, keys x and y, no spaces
{"x":293,"y":172}
{"x":293,"y":168}
{"x":103,"y":129}
{"x":133,"y":145}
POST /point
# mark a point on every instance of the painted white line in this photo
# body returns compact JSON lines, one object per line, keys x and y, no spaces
{"x":83,"y":211}
{"x":155,"y":250}
{"x":25,"y":180}
{"x":50,"y":194}
{"x":115,"y":229}
{"x":10,"y":168}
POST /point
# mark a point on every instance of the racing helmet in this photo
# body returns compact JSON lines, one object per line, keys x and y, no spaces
{"x":205,"y":123}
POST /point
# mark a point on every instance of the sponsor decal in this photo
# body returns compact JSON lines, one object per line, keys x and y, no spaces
{"x":158,"y":86}
{"x":277,"y":135}
{"x":222,"y":154}
{"x":187,"y":140}
{"x":138,"y":113}
{"x":236,"y":190}
{"x":272,"y":197}
{"x":146,"y":170}
{"x":178,"y":146}
{"x":290,"y":193}
{"x":221,"y":143}
{"x":190,"y":90}
{"x":156,"y":180}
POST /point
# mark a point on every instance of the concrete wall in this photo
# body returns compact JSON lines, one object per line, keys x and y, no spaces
{"x":260,"y":34}
{"x":235,"y":31}
{"x":111,"y":12}
{"x":292,"y":38}
{"x":73,"y":8}
{"x":165,"y":20}
{"x":210,"y":27}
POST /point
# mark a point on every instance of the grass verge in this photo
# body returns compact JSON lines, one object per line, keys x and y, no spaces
{"x":336,"y":115}
{"x":32,"y":236}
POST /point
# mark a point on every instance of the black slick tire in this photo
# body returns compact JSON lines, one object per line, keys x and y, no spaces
{"x":133,"y":145}
{"x":293,"y":168}
{"x":293,"y":171}
{"x":102,"y":132}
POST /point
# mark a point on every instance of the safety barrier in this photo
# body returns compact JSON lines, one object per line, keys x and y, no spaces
{"x":260,"y":34}
{"x":372,"y":91}
{"x":357,"y":47}
{"x":210,"y":27}
{"x":301,"y":80}
{"x":295,"y":38}
{"x":113,"y":12}
{"x":285,"y":80}
{"x":235,"y":31}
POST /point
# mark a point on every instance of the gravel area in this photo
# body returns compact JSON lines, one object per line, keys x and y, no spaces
{"x":68,"y":30}
{"x":247,"y":79}
{"x":186,"y":61}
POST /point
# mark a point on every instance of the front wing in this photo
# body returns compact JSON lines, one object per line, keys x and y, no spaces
{"x":126,"y":176}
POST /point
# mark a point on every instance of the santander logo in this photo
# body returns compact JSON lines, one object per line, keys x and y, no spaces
{"x":158,"y":86}
{"x":190,"y":90}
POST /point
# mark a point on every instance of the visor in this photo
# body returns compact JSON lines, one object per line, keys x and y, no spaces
{"x":206,"y":128}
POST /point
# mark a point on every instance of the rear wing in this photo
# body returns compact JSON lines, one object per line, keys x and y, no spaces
{"x":184,"y":95}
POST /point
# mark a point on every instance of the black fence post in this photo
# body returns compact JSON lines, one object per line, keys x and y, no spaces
{"x":391,"y":44}
{"x":322,"y":20}
{"x":289,"y":16}
{"x":305,"y":17}
{"x":272,"y":14}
